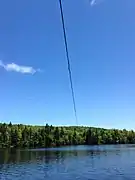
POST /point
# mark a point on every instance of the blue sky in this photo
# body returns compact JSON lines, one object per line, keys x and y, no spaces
{"x":34,"y":83}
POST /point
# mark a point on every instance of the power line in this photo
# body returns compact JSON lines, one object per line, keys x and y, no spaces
{"x":68,"y":59}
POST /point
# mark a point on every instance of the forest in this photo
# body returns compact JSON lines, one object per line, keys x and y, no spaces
{"x":27,"y":136}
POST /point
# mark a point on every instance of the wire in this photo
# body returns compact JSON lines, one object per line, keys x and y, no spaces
{"x":68,"y":60}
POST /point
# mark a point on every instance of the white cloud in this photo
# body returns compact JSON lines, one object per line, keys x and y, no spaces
{"x":93,"y":2}
{"x":18,"y":68}
{"x":96,"y":2}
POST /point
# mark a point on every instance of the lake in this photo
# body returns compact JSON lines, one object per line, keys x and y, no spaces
{"x":107,"y":162}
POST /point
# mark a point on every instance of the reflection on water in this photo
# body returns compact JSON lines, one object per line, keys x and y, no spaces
{"x":82,"y":162}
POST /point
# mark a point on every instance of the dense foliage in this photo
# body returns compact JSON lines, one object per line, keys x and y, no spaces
{"x":48,"y":136}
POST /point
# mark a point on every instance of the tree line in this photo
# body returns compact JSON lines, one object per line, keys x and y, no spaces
{"x":26,"y":136}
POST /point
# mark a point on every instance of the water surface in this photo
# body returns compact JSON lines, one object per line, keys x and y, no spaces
{"x":112,"y":162}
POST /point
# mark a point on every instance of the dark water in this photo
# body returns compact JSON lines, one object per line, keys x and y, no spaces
{"x":69,"y":163}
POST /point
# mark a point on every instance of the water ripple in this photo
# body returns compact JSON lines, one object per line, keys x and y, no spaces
{"x":68,"y":163}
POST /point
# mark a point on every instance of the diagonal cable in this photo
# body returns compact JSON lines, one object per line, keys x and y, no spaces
{"x":68,"y":60}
